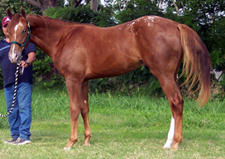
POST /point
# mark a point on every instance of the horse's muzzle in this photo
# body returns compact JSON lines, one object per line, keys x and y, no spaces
{"x":13,"y":57}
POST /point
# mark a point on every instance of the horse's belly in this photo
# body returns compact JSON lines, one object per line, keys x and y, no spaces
{"x":113,"y":68}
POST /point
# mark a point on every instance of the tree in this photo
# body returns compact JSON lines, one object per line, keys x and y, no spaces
{"x":45,"y":4}
{"x":76,"y":3}
{"x":176,"y":7}
{"x":94,"y":5}
{"x":138,"y":8}
{"x":83,"y":14}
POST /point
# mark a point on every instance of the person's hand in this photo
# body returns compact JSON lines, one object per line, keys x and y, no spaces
{"x":24,"y":63}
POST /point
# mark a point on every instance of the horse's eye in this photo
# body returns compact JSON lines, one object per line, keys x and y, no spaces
{"x":24,"y":31}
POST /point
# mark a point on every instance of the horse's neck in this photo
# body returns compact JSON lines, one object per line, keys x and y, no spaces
{"x":42,"y":34}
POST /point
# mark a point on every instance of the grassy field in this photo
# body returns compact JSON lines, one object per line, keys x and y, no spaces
{"x":122,"y":127}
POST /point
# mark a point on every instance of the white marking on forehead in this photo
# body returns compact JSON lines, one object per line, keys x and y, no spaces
{"x":13,"y":48}
{"x":13,"y":51}
{"x":16,"y":27}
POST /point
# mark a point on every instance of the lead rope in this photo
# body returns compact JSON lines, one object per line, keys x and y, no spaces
{"x":15,"y":92}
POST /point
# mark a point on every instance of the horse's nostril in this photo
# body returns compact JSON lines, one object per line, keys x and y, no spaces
{"x":13,"y":57}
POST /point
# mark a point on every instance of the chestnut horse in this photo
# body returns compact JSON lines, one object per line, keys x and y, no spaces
{"x":81,"y":52}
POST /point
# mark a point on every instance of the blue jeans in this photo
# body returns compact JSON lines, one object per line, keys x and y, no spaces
{"x":21,"y":116}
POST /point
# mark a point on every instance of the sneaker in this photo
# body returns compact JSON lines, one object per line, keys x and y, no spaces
{"x":20,"y":141}
{"x":10,"y":141}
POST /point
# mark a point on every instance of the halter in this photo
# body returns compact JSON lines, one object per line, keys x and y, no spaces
{"x":28,"y":37}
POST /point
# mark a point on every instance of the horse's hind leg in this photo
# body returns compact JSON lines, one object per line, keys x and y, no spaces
{"x":173,"y":94}
{"x":169,"y":141}
{"x":84,"y":112}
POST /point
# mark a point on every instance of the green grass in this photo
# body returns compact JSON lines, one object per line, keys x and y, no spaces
{"x":122,"y":127}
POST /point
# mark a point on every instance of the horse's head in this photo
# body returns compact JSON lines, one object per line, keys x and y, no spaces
{"x":19,"y":35}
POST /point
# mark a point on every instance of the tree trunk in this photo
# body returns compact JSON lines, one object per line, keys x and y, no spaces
{"x":160,"y":4}
{"x":177,"y":10}
{"x":94,"y":5}
{"x":183,"y":6}
{"x":34,"y":3}
{"x":43,"y":4}
{"x":76,"y":3}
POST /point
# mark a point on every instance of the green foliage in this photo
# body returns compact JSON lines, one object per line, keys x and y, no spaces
{"x":138,"y":8}
{"x":82,"y":14}
{"x":222,"y":81}
{"x":217,"y":43}
{"x":44,"y":70}
{"x":54,"y":81}
{"x":105,"y":16}
{"x":43,"y":64}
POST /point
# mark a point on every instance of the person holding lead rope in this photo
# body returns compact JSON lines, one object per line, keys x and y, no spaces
{"x":21,"y":117}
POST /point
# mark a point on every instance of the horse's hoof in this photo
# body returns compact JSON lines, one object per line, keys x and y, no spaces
{"x":67,"y":148}
{"x":168,"y":144}
{"x":175,"y":147}
{"x":86,"y":144}
{"x":165,"y":147}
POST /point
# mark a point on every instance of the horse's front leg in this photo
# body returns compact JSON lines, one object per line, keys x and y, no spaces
{"x":84,"y":109}
{"x":74,"y":92}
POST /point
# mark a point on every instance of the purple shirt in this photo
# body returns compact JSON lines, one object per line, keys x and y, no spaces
{"x":9,"y":69}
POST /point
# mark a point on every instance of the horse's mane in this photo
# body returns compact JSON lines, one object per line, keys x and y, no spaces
{"x":58,"y":21}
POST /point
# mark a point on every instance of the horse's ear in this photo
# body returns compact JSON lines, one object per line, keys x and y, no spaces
{"x":9,"y":13}
{"x":23,"y":13}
